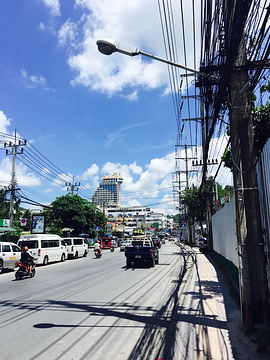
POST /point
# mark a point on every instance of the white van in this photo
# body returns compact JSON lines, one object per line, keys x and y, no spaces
{"x":44,"y":248}
{"x":76,"y":247}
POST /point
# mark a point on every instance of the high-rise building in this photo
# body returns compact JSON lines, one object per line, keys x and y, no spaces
{"x":108,"y":191}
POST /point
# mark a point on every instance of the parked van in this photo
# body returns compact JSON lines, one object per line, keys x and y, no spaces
{"x":44,"y":248}
{"x":76,"y":247}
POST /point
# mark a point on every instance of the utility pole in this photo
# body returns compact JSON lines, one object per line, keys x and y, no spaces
{"x":74,"y":186}
{"x":16,"y":150}
{"x":253,"y":278}
{"x":186,"y":172}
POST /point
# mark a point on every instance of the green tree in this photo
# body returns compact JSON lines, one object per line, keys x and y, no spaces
{"x":261,"y":127}
{"x":194,"y":203}
{"x":76,"y":213}
{"x":4,"y":205}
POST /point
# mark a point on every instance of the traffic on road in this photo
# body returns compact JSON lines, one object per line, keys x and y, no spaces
{"x":89,"y":308}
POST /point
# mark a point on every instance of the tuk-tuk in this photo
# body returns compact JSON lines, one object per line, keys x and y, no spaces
{"x":106,"y":242}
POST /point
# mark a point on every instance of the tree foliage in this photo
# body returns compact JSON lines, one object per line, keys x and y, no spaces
{"x":194,"y":203}
{"x":194,"y":200}
{"x":76,"y":213}
{"x":261,"y":127}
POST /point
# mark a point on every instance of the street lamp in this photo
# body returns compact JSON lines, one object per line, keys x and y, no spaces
{"x":107,"y":47}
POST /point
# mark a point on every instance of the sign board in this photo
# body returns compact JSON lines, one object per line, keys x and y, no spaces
{"x":23,"y":222}
{"x":178,"y":231}
{"x":4,"y":222}
{"x":97,"y":228}
{"x":38,"y":224}
{"x":222,"y":200}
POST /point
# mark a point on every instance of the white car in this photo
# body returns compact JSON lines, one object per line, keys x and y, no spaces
{"x":9,"y":254}
{"x":124,"y":244}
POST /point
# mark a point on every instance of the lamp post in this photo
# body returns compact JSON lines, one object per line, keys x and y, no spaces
{"x":108,"y":46}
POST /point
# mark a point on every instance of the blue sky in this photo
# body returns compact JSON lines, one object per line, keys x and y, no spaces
{"x":90,"y":115}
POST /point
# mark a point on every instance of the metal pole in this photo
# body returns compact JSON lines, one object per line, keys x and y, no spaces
{"x":13,"y":183}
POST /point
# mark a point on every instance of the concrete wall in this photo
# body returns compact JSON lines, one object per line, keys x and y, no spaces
{"x":224,"y":232}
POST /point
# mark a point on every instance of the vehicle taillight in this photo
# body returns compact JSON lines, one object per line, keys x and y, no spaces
{"x":16,"y":264}
{"x":151,"y":251}
{"x":39,"y":251}
{"x":72,"y":248}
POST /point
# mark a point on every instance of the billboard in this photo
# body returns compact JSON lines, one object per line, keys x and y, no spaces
{"x":38,"y":224}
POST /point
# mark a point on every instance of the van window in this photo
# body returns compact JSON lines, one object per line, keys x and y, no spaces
{"x":68,"y":241}
{"x":78,"y":242}
{"x":49,"y":243}
{"x":31,"y":244}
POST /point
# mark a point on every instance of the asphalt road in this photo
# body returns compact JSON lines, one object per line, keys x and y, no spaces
{"x":91,"y":308}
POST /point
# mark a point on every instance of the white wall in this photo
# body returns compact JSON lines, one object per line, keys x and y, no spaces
{"x":224,"y":232}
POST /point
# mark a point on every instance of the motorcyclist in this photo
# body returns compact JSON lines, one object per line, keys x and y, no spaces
{"x":27,"y":259}
{"x":97,"y":246}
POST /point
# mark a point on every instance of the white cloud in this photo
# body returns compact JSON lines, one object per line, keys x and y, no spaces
{"x":54,"y":7}
{"x":89,"y":173}
{"x":135,"y":168}
{"x":23,"y":177}
{"x":41,"y":26}
{"x":127,"y":22}
{"x":33,"y":81}
{"x":67,"y":33}
{"x":4,"y":122}
{"x":141,"y":187}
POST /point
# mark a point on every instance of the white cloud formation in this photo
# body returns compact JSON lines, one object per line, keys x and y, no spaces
{"x":4,"y":122}
{"x":23,"y":177}
{"x":33,"y":81}
{"x":90,"y":173}
{"x":142,"y":186}
{"x":54,"y":7}
{"x":128,"y":22}
{"x":67,"y":34}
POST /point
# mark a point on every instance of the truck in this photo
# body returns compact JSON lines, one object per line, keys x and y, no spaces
{"x":141,"y":251}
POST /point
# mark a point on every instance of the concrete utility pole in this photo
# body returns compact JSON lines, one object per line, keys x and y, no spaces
{"x":16,"y":150}
{"x":253,"y":277}
{"x":186,"y":172}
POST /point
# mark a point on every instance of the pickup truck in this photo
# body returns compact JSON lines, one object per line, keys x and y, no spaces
{"x":142,"y":251}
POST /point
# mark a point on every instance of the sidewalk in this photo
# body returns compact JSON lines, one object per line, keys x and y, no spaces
{"x":209,"y":317}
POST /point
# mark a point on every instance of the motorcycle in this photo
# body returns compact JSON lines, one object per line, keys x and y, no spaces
{"x":98,"y":253}
{"x":203,"y":245}
{"x":112,"y":248}
{"x":22,"y":270}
